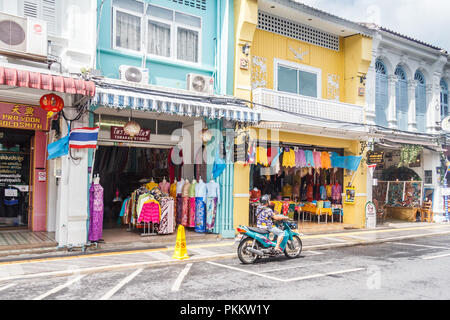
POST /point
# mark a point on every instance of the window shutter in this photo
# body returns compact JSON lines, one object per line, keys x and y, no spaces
{"x":44,"y":10}
{"x":402,"y":104}
{"x":381,"y":99}
{"x":421,"y":108}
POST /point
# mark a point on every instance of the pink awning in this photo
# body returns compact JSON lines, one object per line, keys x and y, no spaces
{"x":37,"y":80}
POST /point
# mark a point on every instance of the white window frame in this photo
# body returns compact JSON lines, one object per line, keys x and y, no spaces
{"x":114,"y":45}
{"x":299,"y":67}
{"x":173,"y":35}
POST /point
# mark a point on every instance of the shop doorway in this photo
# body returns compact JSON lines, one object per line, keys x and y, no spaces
{"x":15,"y":178}
{"x":123,"y":170}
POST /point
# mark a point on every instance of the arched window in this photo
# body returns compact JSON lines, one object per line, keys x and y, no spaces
{"x":444,"y":99}
{"x":421,"y":102}
{"x":381,"y":94}
{"x":401,"y":99}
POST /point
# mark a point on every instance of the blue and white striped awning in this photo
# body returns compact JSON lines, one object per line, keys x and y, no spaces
{"x":124,"y":99}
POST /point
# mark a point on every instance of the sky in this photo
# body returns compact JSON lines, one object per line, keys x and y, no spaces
{"x":425,"y":20}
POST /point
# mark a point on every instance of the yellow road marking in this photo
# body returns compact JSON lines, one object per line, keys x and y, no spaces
{"x":224,"y":244}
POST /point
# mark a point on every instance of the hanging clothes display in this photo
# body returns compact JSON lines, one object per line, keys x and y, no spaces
{"x":200,"y":207}
{"x":212,"y":200}
{"x":261,"y":156}
{"x":317,"y":159}
{"x":309,"y":158}
{"x":164,"y":186}
{"x":191,"y":220}
{"x":96,"y":207}
{"x":150,"y":212}
{"x":166,"y":225}
{"x":185,"y":196}
{"x":180,"y":185}
{"x":326,"y":161}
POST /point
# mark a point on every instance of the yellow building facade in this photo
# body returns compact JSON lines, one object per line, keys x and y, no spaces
{"x":341,"y":75}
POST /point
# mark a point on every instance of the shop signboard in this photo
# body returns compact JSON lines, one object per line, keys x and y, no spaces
{"x":13,"y":168}
{"x":350,"y":194}
{"x":371,"y":215}
{"x":375,"y":157}
{"x":117,"y":133}
{"x":18,"y":116}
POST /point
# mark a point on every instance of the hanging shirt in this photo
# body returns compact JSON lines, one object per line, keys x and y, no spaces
{"x":336,"y":192}
{"x":213,"y":190}
{"x":261,"y":156}
{"x":300,"y":160}
{"x":329,"y":189}
{"x":200,"y":190}
{"x":180,"y":185}
{"x":185,"y":188}
{"x":323,"y":193}
{"x":317,"y":159}
{"x":309,"y":158}
{"x":151,"y":185}
{"x":192,"y":189}
{"x":173,"y":190}
{"x":164,"y":186}
{"x":289,"y":158}
{"x":326,"y":162}
{"x":151,"y":212}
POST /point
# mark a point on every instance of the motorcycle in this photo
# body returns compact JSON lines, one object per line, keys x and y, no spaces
{"x":255,"y":243}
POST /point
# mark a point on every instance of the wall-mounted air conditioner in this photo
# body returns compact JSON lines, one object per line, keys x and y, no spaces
{"x":133,"y":74}
{"x":200,"y":83}
{"x":23,"y":37}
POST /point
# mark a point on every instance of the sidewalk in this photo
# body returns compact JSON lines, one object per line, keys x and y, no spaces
{"x":57,"y":264}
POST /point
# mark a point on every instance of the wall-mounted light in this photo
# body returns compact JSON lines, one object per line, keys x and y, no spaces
{"x":246,"y":49}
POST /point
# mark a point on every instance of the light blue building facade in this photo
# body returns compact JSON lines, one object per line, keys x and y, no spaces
{"x":172,"y":39}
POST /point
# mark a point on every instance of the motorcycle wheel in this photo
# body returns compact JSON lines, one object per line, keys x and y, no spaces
{"x":293,"y":248}
{"x":245,"y":256}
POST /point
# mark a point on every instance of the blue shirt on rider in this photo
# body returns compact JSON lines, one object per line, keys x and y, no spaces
{"x":264,"y":215}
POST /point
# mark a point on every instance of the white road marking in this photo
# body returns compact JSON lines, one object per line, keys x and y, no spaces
{"x":288,"y":280}
{"x":246,"y":271}
{"x":420,"y":245}
{"x":435,"y":257}
{"x":318,"y":275}
{"x":179,"y":280}
{"x":59,"y":288}
{"x":113,"y":291}
{"x":295,"y":267}
{"x":357,"y":237}
{"x":7,"y":286}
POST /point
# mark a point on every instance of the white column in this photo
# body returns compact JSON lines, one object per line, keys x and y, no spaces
{"x":72,"y":202}
{"x":371,"y":94}
{"x":392,"y":114}
{"x":412,"y":123}
{"x":431,"y":103}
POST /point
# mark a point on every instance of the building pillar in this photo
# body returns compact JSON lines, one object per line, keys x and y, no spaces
{"x":412,"y":123}
{"x":392,"y":114}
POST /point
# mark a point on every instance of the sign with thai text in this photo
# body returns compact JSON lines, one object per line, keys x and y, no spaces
{"x":23,"y":117}
{"x":13,"y":168}
{"x":375,"y":157}
{"x":117,"y":133}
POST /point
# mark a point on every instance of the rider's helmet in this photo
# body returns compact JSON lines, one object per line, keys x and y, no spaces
{"x":265,"y":199}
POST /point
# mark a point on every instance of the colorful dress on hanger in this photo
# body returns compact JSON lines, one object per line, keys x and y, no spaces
{"x":185,"y":210}
{"x":200,"y":207}
{"x":164,"y":187}
{"x":180,"y":185}
{"x":309,"y":158}
{"x":212,"y":200}
{"x":95,"y":212}
{"x":191,"y":220}
{"x":326,"y":161}
{"x":166,"y":224}
{"x":317,"y":159}
{"x":151,"y":212}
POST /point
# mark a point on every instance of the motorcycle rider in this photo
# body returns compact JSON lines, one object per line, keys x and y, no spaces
{"x":265,"y":215}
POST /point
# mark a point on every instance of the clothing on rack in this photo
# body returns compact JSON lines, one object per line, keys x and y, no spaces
{"x":166,"y":225}
{"x":211,"y":208}
{"x":200,"y":215}
{"x":164,"y":186}
{"x":96,"y":208}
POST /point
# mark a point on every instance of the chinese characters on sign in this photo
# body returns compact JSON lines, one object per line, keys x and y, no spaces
{"x":22,"y":117}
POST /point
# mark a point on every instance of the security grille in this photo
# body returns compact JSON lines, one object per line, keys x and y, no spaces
{"x":297,"y":31}
{"x":199,"y":4}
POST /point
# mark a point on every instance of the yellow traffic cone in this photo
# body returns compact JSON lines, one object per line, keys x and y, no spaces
{"x":180,"y":247}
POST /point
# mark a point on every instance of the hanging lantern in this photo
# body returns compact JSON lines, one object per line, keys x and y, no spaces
{"x":51,"y":103}
{"x":132,"y":128}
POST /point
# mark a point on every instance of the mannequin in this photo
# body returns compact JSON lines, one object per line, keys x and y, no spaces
{"x":96,"y":208}
{"x":164,"y":186}
{"x":185,"y":196}
{"x":212,"y":201}
{"x":191,"y":220}
{"x":152,"y":184}
{"x":180,"y":185}
{"x":173,"y":195}
{"x":200,"y":206}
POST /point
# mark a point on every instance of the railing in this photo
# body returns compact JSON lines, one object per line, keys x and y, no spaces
{"x":302,"y":105}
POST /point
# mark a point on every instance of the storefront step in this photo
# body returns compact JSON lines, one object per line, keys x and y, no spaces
{"x":24,"y":241}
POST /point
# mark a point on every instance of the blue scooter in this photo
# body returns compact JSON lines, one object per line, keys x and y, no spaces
{"x":255,"y":243}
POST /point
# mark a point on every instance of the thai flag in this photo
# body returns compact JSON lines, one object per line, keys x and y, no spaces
{"x":83,"y":138}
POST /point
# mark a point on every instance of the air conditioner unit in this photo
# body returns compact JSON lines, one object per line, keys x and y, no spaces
{"x":133,"y":74}
{"x":200,"y":83}
{"x":23,"y":37}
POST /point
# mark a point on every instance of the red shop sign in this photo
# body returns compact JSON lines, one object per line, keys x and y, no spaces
{"x":19,"y":116}
{"x":117,"y":133}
